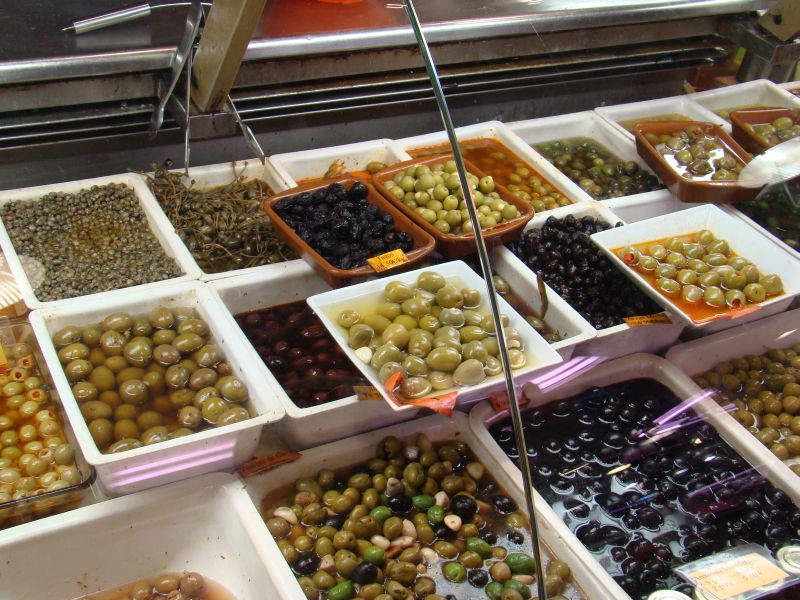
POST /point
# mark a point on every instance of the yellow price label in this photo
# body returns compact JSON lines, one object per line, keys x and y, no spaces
{"x":367,"y":392}
{"x":641,"y":320}
{"x":738,"y":575}
{"x":388,"y":260}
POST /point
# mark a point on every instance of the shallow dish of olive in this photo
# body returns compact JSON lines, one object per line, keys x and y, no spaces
{"x":142,"y":466}
{"x":759,"y":129}
{"x":762,"y":257}
{"x":353,"y":458}
{"x":459,"y":356}
{"x":695,"y":178}
{"x":451,"y":245}
{"x":415,"y":242}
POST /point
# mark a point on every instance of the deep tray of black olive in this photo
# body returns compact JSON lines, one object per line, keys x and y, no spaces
{"x":341,"y":225}
{"x":644,"y":508}
{"x":563,"y":253}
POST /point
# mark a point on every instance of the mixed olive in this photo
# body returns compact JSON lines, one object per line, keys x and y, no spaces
{"x":166,"y":586}
{"x":765,"y":390}
{"x":147,"y":379}
{"x":433,"y":332}
{"x":35,"y":455}
{"x":779,"y":130}
{"x":700,"y":269}
{"x":563,"y":253}
{"x":434,"y":193}
{"x":94,"y":240}
{"x":645,"y":484}
{"x":417,"y":521}
{"x":777,"y":210}
{"x":597,"y":170}
{"x":695,"y":154}
{"x":305,"y":359}
{"x":342,"y":225}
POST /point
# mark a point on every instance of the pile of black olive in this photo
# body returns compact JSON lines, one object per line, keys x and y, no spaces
{"x":341,"y":225}
{"x":646,"y":498}
{"x":563,"y":253}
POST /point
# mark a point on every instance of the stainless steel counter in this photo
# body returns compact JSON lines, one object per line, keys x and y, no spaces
{"x":33,"y":47}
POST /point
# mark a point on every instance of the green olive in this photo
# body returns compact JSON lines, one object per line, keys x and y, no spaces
{"x":449,"y":297}
{"x":714,"y":296}
{"x":396,"y":291}
{"x":360,"y":335}
{"x":772,"y":285}
{"x":118,"y":321}
{"x":415,"y":387}
{"x":66,"y":336}
{"x":208,"y":356}
{"x":188,"y":342}
{"x":430,"y":281}
{"x":755,"y":292}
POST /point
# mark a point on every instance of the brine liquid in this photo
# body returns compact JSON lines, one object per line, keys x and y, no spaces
{"x":213,"y":591}
{"x":629,"y":124}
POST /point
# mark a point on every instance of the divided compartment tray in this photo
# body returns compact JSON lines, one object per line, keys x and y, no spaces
{"x":423,"y":242}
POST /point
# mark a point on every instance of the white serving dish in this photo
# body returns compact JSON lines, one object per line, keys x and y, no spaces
{"x":631,"y":367}
{"x":295,"y":167}
{"x":698,"y":356}
{"x":539,"y":353}
{"x":760,"y":92}
{"x":203,"y":452}
{"x":621,"y":339}
{"x":159,"y":225}
{"x":206,"y":524}
{"x":564,"y":319}
{"x":790,"y":86}
{"x":503,"y":134}
{"x":743,"y":240}
{"x":302,"y":427}
{"x":346,"y":453}
{"x":209,"y":176}
{"x":645,"y":109}
{"x":762,"y":230}
{"x":589,"y":124}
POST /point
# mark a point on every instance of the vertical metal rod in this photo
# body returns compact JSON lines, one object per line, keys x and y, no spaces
{"x":186,"y":137}
{"x":516,"y":416}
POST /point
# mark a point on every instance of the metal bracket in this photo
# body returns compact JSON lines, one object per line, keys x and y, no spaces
{"x":767,"y":57}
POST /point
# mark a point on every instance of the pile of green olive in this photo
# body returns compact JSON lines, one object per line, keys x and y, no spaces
{"x":166,"y":586}
{"x":780,"y":130}
{"x":434,"y":193}
{"x":697,"y":155}
{"x":144,"y":380}
{"x":417,"y":521}
{"x":766,"y":392}
{"x":433,"y":334}
{"x":699,"y":268}
{"x":35,"y":456}
{"x":596,"y":170}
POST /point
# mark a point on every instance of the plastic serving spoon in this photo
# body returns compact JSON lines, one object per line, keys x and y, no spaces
{"x":777,"y":164}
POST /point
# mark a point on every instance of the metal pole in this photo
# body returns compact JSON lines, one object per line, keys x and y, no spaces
{"x":516,"y":416}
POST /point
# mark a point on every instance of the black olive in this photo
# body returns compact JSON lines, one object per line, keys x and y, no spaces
{"x":306,"y":564}
{"x":399,"y":504}
{"x":515,"y":537}
{"x":478,"y":578}
{"x":463,"y":506}
{"x":365,"y":572}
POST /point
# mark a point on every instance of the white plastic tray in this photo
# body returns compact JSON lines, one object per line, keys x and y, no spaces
{"x":302,"y":427}
{"x":681,"y":105}
{"x":589,"y":124}
{"x":790,"y":86}
{"x":762,"y":230}
{"x":760,"y":92}
{"x":539,"y":353}
{"x":564,"y":319}
{"x":206,"y":524}
{"x":698,"y":356}
{"x":621,"y":339}
{"x":743,"y":240}
{"x":209,"y":176}
{"x":204,"y":452}
{"x":295,"y":167}
{"x":502,"y":133}
{"x":625,"y":369}
{"x":588,"y":574}
{"x":159,"y":224}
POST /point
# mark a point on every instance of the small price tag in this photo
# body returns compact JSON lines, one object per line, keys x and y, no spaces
{"x":738,"y":575}
{"x":642,"y":320}
{"x":267,"y":462}
{"x":388,"y":260}
{"x":367,"y":392}
{"x":499,"y":402}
